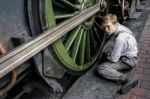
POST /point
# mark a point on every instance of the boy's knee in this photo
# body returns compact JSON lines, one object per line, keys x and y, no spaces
{"x":101,"y":68}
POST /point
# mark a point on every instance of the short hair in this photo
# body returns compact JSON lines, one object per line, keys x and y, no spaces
{"x":110,"y":17}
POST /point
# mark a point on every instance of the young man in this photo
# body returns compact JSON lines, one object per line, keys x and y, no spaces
{"x":123,"y":56}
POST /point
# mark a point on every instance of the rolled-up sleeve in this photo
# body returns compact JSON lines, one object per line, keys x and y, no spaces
{"x":117,"y":50}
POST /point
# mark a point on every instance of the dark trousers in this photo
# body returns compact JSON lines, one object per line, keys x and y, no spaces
{"x":111,"y":70}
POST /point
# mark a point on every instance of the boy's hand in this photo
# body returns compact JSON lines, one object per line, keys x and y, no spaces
{"x":2,"y":50}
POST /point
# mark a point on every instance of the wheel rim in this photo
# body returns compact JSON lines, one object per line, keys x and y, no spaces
{"x":79,"y":49}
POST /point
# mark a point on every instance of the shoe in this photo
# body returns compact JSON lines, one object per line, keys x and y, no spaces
{"x":130,"y":83}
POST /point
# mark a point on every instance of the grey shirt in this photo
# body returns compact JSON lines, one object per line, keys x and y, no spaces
{"x":125,"y":44}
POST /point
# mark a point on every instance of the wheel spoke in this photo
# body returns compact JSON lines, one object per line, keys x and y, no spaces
{"x":69,"y":5}
{"x":88,"y":47}
{"x":96,"y":33}
{"x":65,"y":16}
{"x":93,"y":42}
{"x":71,"y":38}
{"x":82,"y":49}
{"x":76,"y":45}
{"x":98,"y":25}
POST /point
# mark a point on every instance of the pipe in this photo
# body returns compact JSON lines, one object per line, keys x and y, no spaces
{"x":10,"y":84}
{"x":13,"y":76}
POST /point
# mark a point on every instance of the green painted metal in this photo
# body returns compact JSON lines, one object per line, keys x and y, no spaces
{"x":65,"y":16}
{"x":76,"y":45}
{"x":89,"y":23}
{"x":86,"y":3}
{"x":71,"y":38}
{"x":88,"y":47}
{"x":93,"y":42}
{"x":93,"y":30}
{"x":70,"y":5}
{"x":50,"y":19}
{"x":82,"y":49}
{"x":75,"y":51}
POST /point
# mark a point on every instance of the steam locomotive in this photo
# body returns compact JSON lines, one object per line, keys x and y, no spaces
{"x":53,"y":39}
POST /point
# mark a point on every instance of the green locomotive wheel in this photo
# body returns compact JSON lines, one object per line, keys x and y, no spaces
{"x":78,"y":49}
